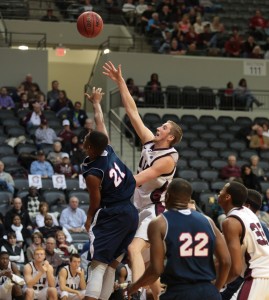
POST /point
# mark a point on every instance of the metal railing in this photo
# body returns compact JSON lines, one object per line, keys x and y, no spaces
{"x":37,"y":40}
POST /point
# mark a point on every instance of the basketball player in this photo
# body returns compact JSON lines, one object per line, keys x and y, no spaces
{"x":247,"y":243}
{"x":72,"y":280}
{"x":156,"y":169}
{"x":39,"y":278}
{"x":112,"y":218}
{"x":8,"y":289}
{"x":188,"y":240}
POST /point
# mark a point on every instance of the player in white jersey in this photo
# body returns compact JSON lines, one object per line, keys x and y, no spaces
{"x":8,"y":289}
{"x":72,"y":280}
{"x":39,"y":278}
{"x":156,"y":169}
{"x":246,"y":241}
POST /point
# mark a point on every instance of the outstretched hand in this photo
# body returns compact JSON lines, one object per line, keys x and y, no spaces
{"x":112,"y":72}
{"x":96,"y":95}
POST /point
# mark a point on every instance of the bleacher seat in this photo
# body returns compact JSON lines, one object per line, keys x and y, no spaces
{"x":208,"y":135}
{"x":10,"y":160}
{"x":206,"y":119}
{"x":209,"y":174}
{"x":171,"y":117}
{"x":198,"y":143}
{"x":6,"y":150}
{"x":207,"y":98}
{"x":54,"y":197}
{"x":209,"y":153}
{"x":187,"y":174}
{"x":190,"y":97}
{"x":198,"y":163}
{"x":173,"y":94}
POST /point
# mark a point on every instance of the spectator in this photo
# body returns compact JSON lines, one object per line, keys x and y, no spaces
{"x":33,"y":92}
{"x":49,"y":230}
{"x":50,"y":17}
{"x":232,"y":47}
{"x":22,"y":234}
{"x":176,"y":48}
{"x":198,"y":25}
{"x":257,"y":53}
{"x":73,"y":218}
{"x":31,"y":202}
{"x":6,"y":180}
{"x":2,"y":226}
{"x":265,"y":202}
{"x":257,"y":24}
{"x":88,"y":127}
{"x":146,"y":16}
{"x":63,"y":105}
{"x":87,"y":6}
{"x":53,"y":94}
{"x":41,"y":99}
{"x":134,"y":90}
{"x":153,"y":25}
{"x":244,"y":96}
{"x":229,"y":89}
{"x":66,"y":135}
{"x":77,"y":156}
{"x":259,"y":141}
{"x":44,"y":135}
{"x":19,"y":210}
{"x":63,"y":248}
{"x":55,"y":156}
{"x":185,"y":24}
{"x":33,"y":118}
{"x":43,"y":211}
{"x":256,"y":169}
{"x":37,"y":242}
{"x":250,"y":180}
{"x":216,"y":25}
{"x":204,"y":38}
{"x":7,"y":269}
{"x":52,"y":257}
{"x":230,"y":171}
{"x":128,"y":10}
{"x":191,"y":36}
{"x":15,"y":252}
{"x":27,"y":83}
{"x":78,"y":116}
{"x":248,"y":46}
{"x":140,"y":8}
{"x":65,"y":167}
{"x":165,"y":15}
{"x":265,"y":127}
{"x":24,"y":103}
{"x":41,"y":166}
{"x":6,"y":102}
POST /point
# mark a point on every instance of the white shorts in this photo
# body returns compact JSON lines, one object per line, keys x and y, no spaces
{"x":255,"y":289}
{"x":145,"y":217}
{"x":42,"y":294}
{"x":71,"y":296}
{"x":5,"y":294}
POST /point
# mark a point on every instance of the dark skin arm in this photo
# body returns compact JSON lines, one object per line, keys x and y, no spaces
{"x":232,"y":230}
{"x":93,"y":184}
{"x":15,"y":269}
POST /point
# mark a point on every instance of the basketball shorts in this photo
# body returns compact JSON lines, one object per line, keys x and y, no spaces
{"x":254,"y":289}
{"x":111,"y":232}
{"x":5,"y":294}
{"x":71,"y":296}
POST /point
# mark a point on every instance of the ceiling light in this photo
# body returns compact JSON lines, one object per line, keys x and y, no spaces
{"x":106,"y":51}
{"x":23,"y":47}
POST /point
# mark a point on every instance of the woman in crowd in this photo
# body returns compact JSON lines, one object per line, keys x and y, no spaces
{"x":43,"y":210}
{"x":63,"y":247}
{"x":37,"y":242}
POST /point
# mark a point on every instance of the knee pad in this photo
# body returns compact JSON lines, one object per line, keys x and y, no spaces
{"x":95,"y":279}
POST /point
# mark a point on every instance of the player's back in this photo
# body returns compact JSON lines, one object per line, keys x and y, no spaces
{"x":190,"y":242}
{"x":117,"y":181}
{"x":255,"y":246}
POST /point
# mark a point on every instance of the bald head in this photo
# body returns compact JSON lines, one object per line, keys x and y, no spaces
{"x":178,"y":194}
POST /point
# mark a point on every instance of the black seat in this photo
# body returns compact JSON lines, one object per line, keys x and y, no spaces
{"x":151,"y":118}
{"x":264,"y":186}
{"x":218,"y":163}
{"x":6,"y":150}
{"x":261,"y":120}
{"x":226,"y":120}
{"x":264,"y":154}
{"x":10,"y":160}
{"x":198,"y":163}
{"x":226,"y":102}
{"x":189,"y":119}
{"x":234,"y":128}
{"x":207,"y":98}
{"x":187,"y":174}
{"x":227,"y":152}
{"x":198,"y":143}
{"x":15,"y":131}
{"x":226,"y":136}
{"x":199,"y":186}
{"x":172,"y":96}
{"x":153,"y":99}
{"x":217,"y":185}
{"x":190,"y":97}
{"x":238,"y":145}
{"x":208,"y":135}
{"x":243,"y":121}
{"x":189,"y":153}
{"x":209,"y":174}
{"x":25,"y":148}
{"x":209,"y":153}
{"x":217,"y":127}
{"x":247,"y":153}
{"x":199,"y":127}
{"x":5,"y":197}
{"x":54,"y":197}
{"x":47,"y":184}
{"x":264,"y":164}
{"x":190,"y":134}
{"x":218,"y":144}
{"x":72,"y":184}
{"x":21,"y":184}
{"x":207,"y":120}
{"x":182,"y":163}
{"x":11,"y":122}
{"x":171,"y":117}
{"x":240,"y":162}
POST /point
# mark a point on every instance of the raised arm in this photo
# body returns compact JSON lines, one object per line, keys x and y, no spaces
{"x":128,"y":102}
{"x":95,"y":98}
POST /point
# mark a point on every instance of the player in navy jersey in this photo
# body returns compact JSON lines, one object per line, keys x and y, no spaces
{"x":183,"y":243}
{"x":247,"y":243}
{"x":156,"y":170}
{"x":112,"y":218}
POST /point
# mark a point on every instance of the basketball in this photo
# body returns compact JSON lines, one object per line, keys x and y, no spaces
{"x":89,"y":24}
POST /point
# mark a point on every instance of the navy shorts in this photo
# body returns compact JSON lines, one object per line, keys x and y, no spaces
{"x":195,"y":291}
{"x":112,"y":231}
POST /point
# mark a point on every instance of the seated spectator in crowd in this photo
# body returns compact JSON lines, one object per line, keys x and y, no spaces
{"x":198,"y":25}
{"x":43,"y":211}
{"x":66,"y":135}
{"x":229,"y":89}
{"x":88,"y":127}
{"x":55,"y":260}
{"x":37,"y":242}
{"x":42,"y":101}
{"x":63,"y":248}
{"x":204,"y":38}
{"x":258,"y":140}
{"x":139,"y":9}
{"x":73,"y":218}
{"x":257,"y":24}
{"x":53,"y":94}
{"x":6,"y":102}
{"x":22,"y":233}
{"x":77,"y":116}
{"x":145,"y":17}
{"x":134,"y":90}
{"x":62,"y":105}
{"x":39,"y":278}
{"x":265,"y":202}
{"x":86,"y":6}
{"x":41,"y":166}
{"x":128,"y":10}
{"x":31,"y":202}
{"x":265,"y":127}
{"x":72,"y":279}
{"x":44,"y":135}
{"x":232,"y":47}
{"x":250,"y":180}
{"x":18,"y":209}
{"x":49,"y":16}
{"x":65,"y":167}
{"x":6,"y":180}
{"x":27,"y":83}
{"x":216,"y":25}
{"x":33,"y":118}
{"x":153,"y":25}
{"x":77,"y":156}
{"x":49,"y":230}
{"x":55,"y":156}
{"x":230,"y":171}
{"x":24,"y":103}
{"x":185,"y":24}
{"x":7,"y":269}
{"x":244,"y":95}
{"x":256,"y":169}
{"x":15,"y":252}
{"x":2,"y":226}
{"x":257,"y":53}
{"x":248,"y":46}
{"x":34,"y":92}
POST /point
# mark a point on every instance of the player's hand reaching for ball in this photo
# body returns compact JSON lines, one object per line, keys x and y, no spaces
{"x":112,"y":72}
{"x":96,"y":95}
